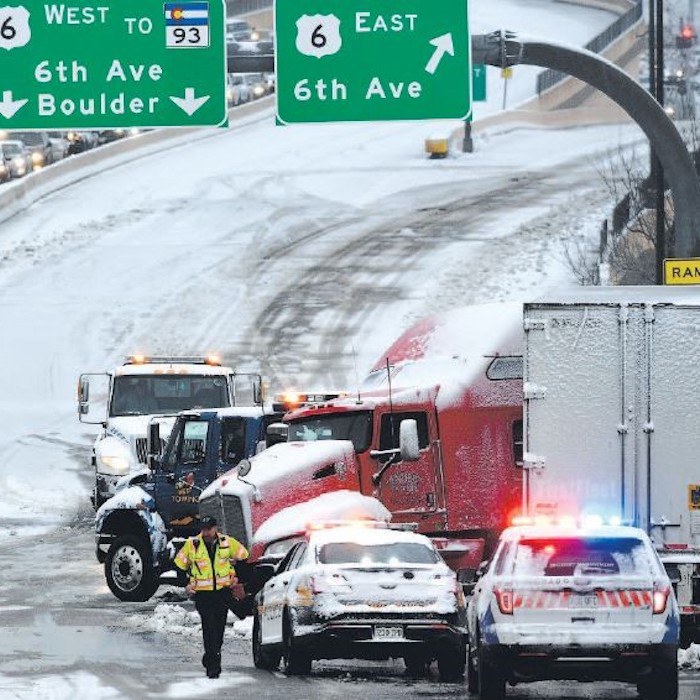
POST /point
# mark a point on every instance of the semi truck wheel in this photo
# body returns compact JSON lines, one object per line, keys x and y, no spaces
{"x":128,"y":569}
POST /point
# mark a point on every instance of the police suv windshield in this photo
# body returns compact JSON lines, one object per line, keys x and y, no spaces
{"x":605,"y":556}
{"x":355,"y":426}
{"x":145,"y":394}
{"x":372,"y":554}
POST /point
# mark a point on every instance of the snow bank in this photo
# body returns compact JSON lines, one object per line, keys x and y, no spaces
{"x":175,"y":619}
{"x":689,"y":659}
{"x":338,"y":505}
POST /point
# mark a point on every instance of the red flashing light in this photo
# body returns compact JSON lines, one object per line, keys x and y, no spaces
{"x":504,"y":598}
{"x":687,"y":32}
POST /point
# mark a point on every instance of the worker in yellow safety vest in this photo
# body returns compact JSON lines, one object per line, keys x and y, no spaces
{"x":208,"y":559}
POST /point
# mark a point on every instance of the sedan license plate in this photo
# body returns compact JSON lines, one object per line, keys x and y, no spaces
{"x":583,"y":601}
{"x":388,"y":634}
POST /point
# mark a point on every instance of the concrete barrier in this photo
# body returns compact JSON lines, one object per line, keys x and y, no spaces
{"x":20,"y":194}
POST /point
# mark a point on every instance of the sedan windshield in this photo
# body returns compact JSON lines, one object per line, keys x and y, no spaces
{"x":11,"y":149}
{"x":150,"y":394}
{"x":355,"y":426}
{"x":371,"y":554}
{"x":581,"y":557}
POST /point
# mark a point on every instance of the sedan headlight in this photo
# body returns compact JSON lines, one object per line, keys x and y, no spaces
{"x":37,"y":158}
{"x":258,"y":90}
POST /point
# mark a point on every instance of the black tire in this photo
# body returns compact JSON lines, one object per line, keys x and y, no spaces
{"x":295,"y":661}
{"x":492,"y":683}
{"x":129,"y":570}
{"x":451,"y":662}
{"x":662,"y":682}
{"x":472,"y":673}
{"x":263,"y":658}
{"x":416,"y":664}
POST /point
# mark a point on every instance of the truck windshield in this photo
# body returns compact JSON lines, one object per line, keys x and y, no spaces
{"x":581,"y":557}
{"x":150,"y":394}
{"x":355,"y":426}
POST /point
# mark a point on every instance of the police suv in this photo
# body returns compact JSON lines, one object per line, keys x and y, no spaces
{"x":573,"y":600}
{"x":361,"y":591}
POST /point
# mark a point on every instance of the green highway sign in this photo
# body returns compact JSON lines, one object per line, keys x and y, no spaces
{"x":479,"y":83}
{"x":372,"y":60}
{"x":115,"y":63}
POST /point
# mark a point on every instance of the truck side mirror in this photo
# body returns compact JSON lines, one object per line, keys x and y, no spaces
{"x":408,"y":440}
{"x":244,"y":467}
{"x":83,"y":396}
{"x":276,"y":433}
{"x":258,"y":393}
{"x":153,"y":444}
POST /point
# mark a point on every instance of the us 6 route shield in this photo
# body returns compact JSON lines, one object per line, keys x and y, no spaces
{"x":369,"y":60}
{"x":112,"y":64}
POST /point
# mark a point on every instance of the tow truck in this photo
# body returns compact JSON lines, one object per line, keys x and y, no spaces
{"x":139,"y":529}
{"x":128,"y":397}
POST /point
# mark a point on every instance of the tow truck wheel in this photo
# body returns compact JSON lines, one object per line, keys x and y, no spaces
{"x":492,"y":684}
{"x":128,"y":569}
{"x":262,"y":658}
{"x":451,"y":662}
{"x":472,"y":674}
{"x":662,"y":682}
{"x":295,"y":661}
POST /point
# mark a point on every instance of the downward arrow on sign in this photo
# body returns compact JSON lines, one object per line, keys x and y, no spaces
{"x":189,"y":104}
{"x":443,"y":44}
{"x":10,"y":107}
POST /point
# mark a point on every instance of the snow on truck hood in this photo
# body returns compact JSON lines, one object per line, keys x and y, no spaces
{"x":281,"y":461}
{"x":337,"y":505}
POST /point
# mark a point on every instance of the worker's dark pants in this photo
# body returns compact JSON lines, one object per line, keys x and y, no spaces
{"x":212,"y":607}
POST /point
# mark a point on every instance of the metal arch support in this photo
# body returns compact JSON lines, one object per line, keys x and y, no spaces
{"x":503,"y":49}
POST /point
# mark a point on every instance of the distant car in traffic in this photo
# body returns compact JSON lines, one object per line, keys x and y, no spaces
{"x":361,"y":591}
{"x":237,"y":90}
{"x":16,"y":158}
{"x":38,"y":144}
{"x":79,"y":141}
{"x":59,"y":144}
{"x":5,"y":175}
{"x":578,"y":602}
{"x":257,"y":84}
{"x":238,"y":29}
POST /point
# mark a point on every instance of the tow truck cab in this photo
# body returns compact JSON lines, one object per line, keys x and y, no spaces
{"x":124,"y":400}
{"x":139,"y":529}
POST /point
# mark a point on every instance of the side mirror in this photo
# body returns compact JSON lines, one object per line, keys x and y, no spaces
{"x":408,"y":440}
{"x":83,"y":396}
{"x":244,"y":467}
{"x":276,"y":433}
{"x":258,"y":393}
{"x":153,"y":444}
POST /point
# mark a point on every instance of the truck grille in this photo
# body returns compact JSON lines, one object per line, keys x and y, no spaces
{"x":142,"y":450}
{"x":228,"y":511}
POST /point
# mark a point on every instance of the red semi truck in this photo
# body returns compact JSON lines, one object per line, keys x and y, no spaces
{"x":454,"y":384}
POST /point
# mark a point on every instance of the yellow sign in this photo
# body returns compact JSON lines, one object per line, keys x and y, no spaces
{"x":694,"y":497}
{"x":682,"y":271}
{"x":507,"y":73}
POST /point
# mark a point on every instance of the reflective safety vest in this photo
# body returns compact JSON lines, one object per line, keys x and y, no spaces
{"x":194,"y":559}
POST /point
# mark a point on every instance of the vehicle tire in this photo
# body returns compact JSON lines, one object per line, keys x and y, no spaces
{"x":416,"y":664}
{"x":451,"y":662}
{"x":492,"y":683}
{"x":472,"y":673}
{"x":128,"y":569}
{"x":262,"y":658}
{"x":662,"y":682}
{"x":295,"y":661}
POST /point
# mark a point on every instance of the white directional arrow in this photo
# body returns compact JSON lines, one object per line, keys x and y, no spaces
{"x":10,"y":107}
{"x":443,"y":44}
{"x":189,"y":103}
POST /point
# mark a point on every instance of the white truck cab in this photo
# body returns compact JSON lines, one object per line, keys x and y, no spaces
{"x":126,"y":399}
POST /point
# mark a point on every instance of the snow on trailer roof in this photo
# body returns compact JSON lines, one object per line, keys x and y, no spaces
{"x":336,"y":505}
{"x":621,"y":295}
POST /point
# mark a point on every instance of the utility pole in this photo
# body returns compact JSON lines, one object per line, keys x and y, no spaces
{"x":660,"y":185}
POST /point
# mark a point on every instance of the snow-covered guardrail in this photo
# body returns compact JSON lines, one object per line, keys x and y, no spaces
{"x":21,"y":194}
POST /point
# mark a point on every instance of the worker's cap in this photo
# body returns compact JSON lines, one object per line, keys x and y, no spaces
{"x":207,"y":521}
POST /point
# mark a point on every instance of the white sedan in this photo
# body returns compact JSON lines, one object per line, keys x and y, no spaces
{"x":361,"y":591}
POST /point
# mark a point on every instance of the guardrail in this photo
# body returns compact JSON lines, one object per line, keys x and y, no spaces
{"x":549,"y":78}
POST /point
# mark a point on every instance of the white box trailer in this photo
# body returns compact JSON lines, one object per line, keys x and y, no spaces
{"x":612,"y":418}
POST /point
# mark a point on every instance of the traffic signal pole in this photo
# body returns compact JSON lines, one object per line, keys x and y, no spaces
{"x":663,"y":136}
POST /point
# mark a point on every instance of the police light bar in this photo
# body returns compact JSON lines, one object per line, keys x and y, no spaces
{"x":567,"y":521}
{"x":213,"y":360}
